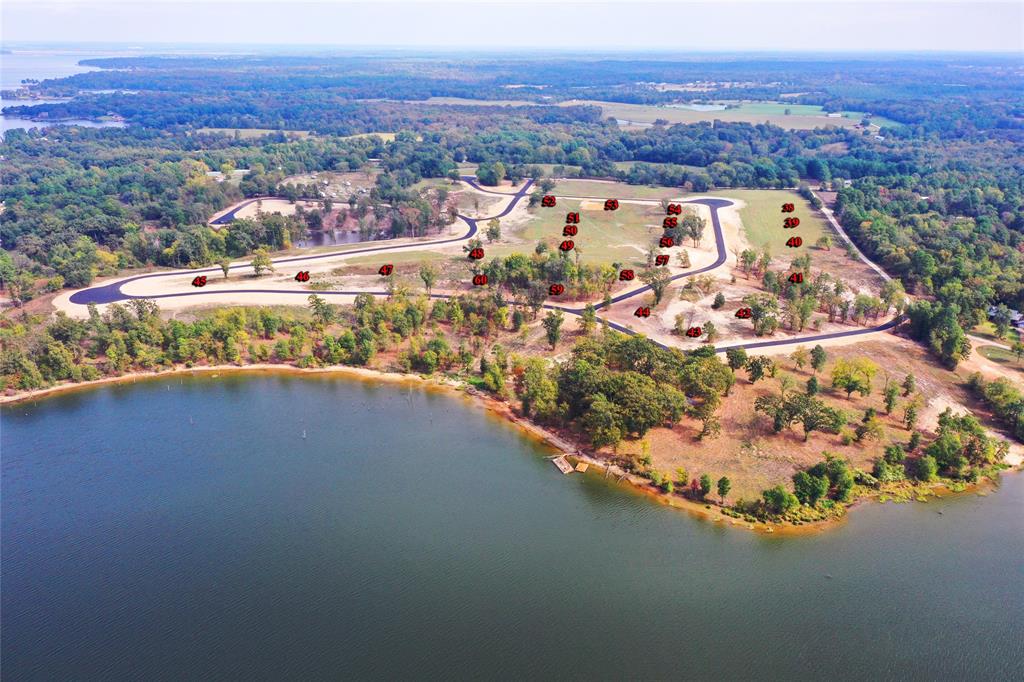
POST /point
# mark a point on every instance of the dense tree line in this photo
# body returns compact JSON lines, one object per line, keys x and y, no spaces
{"x":1005,"y":400}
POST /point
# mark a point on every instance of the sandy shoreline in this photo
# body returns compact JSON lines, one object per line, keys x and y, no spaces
{"x":712,"y":513}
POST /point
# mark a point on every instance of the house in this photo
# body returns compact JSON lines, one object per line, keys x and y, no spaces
{"x":1016,"y":317}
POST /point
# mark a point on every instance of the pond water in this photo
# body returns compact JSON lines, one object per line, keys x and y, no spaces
{"x":185,"y":528}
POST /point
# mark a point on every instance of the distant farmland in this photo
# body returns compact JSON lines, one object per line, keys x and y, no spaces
{"x":638,"y":116}
{"x":801,"y":116}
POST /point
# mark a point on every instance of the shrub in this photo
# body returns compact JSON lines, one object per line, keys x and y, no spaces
{"x":925,"y":468}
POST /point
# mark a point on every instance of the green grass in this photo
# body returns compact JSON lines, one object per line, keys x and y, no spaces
{"x":604,"y":236}
{"x":762,"y":219}
{"x":614,"y":190}
{"x":1002,"y":357}
{"x":400,"y":257}
{"x":987,"y":330}
{"x":431,"y":183}
{"x":802,"y":116}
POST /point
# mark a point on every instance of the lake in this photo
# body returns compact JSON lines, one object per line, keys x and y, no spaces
{"x":183,"y":528}
{"x":19,"y":65}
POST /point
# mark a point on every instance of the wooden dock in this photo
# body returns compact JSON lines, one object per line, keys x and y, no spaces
{"x":563,"y":464}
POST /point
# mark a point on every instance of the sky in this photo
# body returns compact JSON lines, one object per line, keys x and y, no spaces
{"x":726,"y":25}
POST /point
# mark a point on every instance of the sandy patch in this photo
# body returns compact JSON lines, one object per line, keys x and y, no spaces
{"x":282,"y":206}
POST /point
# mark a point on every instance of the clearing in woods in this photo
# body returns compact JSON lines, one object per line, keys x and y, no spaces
{"x":614,"y":190}
{"x":762,"y":218}
{"x":603,"y":236}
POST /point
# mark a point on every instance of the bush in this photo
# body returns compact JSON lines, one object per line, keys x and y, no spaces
{"x":925,"y":468}
{"x":886,"y":472}
{"x":894,"y":454}
{"x":778,"y":500}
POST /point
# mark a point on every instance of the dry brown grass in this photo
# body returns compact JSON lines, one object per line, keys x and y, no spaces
{"x":754,"y":458}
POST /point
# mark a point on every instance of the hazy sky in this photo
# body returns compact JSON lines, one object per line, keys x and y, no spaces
{"x":867,"y":25}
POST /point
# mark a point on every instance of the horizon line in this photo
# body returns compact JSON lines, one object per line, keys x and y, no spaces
{"x":139,"y":45}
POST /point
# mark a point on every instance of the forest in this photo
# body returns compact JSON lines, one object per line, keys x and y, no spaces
{"x":936,"y":201}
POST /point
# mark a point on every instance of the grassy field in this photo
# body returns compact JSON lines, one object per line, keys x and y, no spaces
{"x":432,"y":183}
{"x":250,"y":133}
{"x":400,"y":257}
{"x":387,"y":137}
{"x":762,"y":219}
{"x":1002,"y":357}
{"x":614,"y":190}
{"x":803,"y":117}
{"x":604,"y":236}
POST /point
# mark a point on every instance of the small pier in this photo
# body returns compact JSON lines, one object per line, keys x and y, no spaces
{"x":563,"y":464}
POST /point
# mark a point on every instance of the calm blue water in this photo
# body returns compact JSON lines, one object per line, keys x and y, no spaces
{"x":40,"y":65}
{"x":413,"y":535}
{"x":19,"y":65}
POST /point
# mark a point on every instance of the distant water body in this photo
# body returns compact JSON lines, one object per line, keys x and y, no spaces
{"x":183,"y":528}
{"x":40,"y":65}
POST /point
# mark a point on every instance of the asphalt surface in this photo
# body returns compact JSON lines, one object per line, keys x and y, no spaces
{"x":111,"y":293}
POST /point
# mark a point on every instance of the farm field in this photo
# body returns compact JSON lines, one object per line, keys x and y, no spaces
{"x":747,"y":113}
{"x":802,"y":116}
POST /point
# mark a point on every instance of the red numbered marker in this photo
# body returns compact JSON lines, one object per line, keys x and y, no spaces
{"x":669,"y":223}
{"x":567,"y":245}
{"x":743,"y":313}
{"x":674,"y":209}
{"x":477,"y":253}
{"x":569,"y":231}
{"x":572,"y":217}
{"x":694,"y":332}
{"x":556,"y":289}
{"x":547,"y":201}
{"x":789,"y":223}
{"x":385,"y":269}
{"x":611,"y":204}
{"x":794,"y":242}
{"x":661,"y":260}
{"x":479,"y":280}
{"x":626,"y":276}
{"x":788,"y":208}
{"x":666,"y":242}
{"x":797,"y":278}
{"x":199,"y":281}
{"x":303,"y":276}
{"x":642,"y":312}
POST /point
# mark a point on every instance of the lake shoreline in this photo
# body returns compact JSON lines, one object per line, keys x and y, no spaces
{"x":503,"y":410}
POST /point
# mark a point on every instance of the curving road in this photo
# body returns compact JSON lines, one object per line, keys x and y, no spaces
{"x":112,"y":292}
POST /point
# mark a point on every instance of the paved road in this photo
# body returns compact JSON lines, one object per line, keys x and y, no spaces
{"x":111,"y":293}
